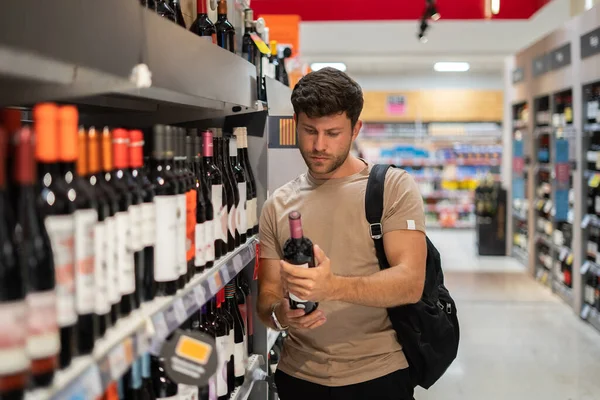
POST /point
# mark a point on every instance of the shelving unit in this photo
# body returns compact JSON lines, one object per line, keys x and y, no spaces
{"x":132,"y":68}
{"x":558,"y":78}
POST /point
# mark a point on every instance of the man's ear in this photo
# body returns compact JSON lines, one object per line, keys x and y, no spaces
{"x":356,"y":130}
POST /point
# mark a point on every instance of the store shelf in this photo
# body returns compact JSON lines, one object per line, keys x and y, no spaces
{"x":564,"y":292}
{"x":449,"y":194}
{"x":590,"y":220}
{"x":542,"y":130}
{"x":167,"y":314}
{"x":243,"y":392}
{"x":543,"y":275}
{"x":426,"y":162}
{"x":590,"y":267}
{"x":545,"y":240}
{"x":97,"y":62}
{"x":456,"y":225}
{"x":88,"y":376}
{"x":520,"y":215}
{"x":520,"y":255}
{"x":449,"y":208}
{"x":543,"y":167}
{"x":519,"y":124}
{"x":272,"y":336}
{"x":591,"y":127}
{"x":591,"y":315}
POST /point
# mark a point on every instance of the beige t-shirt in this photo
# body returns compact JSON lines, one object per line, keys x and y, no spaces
{"x":357,"y":343}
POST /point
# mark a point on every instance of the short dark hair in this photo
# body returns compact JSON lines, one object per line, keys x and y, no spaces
{"x":326,"y":92}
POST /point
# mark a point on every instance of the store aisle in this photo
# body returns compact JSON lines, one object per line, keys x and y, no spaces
{"x":518,"y":341}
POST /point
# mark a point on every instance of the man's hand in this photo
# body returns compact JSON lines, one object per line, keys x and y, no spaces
{"x":296,"y":318}
{"x":311,"y":284}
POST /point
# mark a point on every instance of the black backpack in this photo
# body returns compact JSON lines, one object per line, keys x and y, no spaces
{"x":428,"y":330}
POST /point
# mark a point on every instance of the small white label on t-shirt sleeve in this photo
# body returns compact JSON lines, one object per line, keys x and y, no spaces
{"x":411,"y":224}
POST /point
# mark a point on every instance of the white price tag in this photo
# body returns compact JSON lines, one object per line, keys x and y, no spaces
{"x":586,"y":221}
{"x":117,"y":359}
{"x":585,"y":267}
{"x":179,"y":310}
{"x":200,"y":294}
{"x":160,"y":325}
{"x":225,"y":273}
{"x":563,"y":254}
{"x":214,"y":283}
{"x":237,"y":263}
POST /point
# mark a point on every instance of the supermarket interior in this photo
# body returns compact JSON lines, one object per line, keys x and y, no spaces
{"x":140,"y":139}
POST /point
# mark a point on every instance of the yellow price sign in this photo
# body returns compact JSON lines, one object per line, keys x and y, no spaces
{"x":262,"y":46}
{"x":193,"y":350}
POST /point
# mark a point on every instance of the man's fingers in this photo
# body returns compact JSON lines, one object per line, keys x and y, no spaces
{"x":309,"y":319}
{"x":293,"y":270}
{"x":317,"y":324}
{"x":320,"y":256}
{"x":295,"y":314}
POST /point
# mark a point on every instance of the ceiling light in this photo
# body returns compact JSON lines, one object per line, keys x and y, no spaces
{"x":336,"y":65}
{"x":451,"y":66}
{"x":423,"y":38}
{"x":495,"y":6}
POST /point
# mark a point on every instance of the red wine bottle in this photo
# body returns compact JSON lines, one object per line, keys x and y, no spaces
{"x":225,"y":30}
{"x":179,"y":250}
{"x":230,"y":342}
{"x":239,"y":349}
{"x":166,"y":272}
{"x":191,"y":200}
{"x":228,"y":195}
{"x":112,"y":247}
{"x":86,"y":217}
{"x":202,"y":324}
{"x":164,"y":387}
{"x":240,"y":179}
{"x":147,"y":386}
{"x":176,"y":7}
{"x":13,"y":308}
{"x":298,"y":250}
{"x":221,"y":328}
{"x":208,"y":241}
{"x":86,"y":158}
{"x":148,"y":213}
{"x":251,"y":200}
{"x":125,"y":253}
{"x":214,"y":179}
{"x":199,"y":219}
{"x":242,"y":301}
{"x":51,"y":300}
{"x":203,"y":26}
{"x":234,"y":214}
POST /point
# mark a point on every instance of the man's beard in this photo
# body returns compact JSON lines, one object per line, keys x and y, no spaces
{"x":331,"y":164}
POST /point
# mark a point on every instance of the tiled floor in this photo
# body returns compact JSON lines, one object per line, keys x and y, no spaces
{"x":519,"y":341}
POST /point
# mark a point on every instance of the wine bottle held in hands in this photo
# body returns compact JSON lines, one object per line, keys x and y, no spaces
{"x":298,"y":250}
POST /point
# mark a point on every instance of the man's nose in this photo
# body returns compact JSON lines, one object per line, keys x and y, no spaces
{"x":320,"y":145}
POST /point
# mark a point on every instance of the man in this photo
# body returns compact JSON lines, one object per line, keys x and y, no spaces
{"x":347,"y":348}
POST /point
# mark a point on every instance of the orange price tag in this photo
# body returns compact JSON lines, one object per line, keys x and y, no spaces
{"x":193,"y":350}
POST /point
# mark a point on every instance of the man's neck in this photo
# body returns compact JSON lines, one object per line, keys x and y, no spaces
{"x":351,"y":166}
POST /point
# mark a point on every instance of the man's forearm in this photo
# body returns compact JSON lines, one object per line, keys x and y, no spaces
{"x":392,"y":287}
{"x":264,"y":306}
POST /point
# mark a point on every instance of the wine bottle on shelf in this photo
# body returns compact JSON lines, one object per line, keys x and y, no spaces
{"x":219,"y":324}
{"x":125,"y":258}
{"x":199,"y":219}
{"x":50,"y":287}
{"x":11,"y":122}
{"x":180,"y":253}
{"x":209,"y":231}
{"x":135,"y":389}
{"x":191,"y":199}
{"x":298,"y":250}
{"x":239,"y":352}
{"x":147,"y":386}
{"x":176,"y":7}
{"x":228,"y":195}
{"x":214,"y":178}
{"x":112,"y":247}
{"x":251,"y":206}
{"x":60,"y":225}
{"x":225,"y":30}
{"x":164,"y":387}
{"x":203,"y":26}
{"x":87,"y":161}
{"x":249,"y":49}
{"x":166,"y":272}
{"x":244,"y":300}
{"x":85,"y":219}
{"x":148,"y":208}
{"x":164,"y":10}
{"x":230,"y":342}
{"x":201,"y":324}
{"x":233,"y":215}
{"x":136,"y":212}
{"x":13,"y":262}
{"x":240,"y":179}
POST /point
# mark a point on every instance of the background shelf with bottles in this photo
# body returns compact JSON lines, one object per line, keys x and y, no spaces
{"x":122,"y":76}
{"x":446,"y":159}
{"x":520,"y":200}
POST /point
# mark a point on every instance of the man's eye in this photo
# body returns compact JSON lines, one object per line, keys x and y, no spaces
{"x":333,"y":134}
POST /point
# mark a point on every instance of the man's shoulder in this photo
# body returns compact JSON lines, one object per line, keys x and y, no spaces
{"x":286,"y":192}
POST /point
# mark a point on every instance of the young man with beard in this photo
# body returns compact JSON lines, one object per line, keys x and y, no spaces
{"x":347,"y":348}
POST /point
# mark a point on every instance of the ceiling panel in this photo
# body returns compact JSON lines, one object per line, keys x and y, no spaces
{"x":356,"y":10}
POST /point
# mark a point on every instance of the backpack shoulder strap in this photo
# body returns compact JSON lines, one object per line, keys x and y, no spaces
{"x":374,"y":210}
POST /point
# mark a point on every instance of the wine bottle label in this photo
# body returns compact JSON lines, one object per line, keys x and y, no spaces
{"x":181,"y":251}
{"x":223,"y":350}
{"x":224,"y":222}
{"x":124,"y":257}
{"x":13,"y":336}
{"x":136,"y":223}
{"x":244,"y":313}
{"x":597,"y":204}
{"x":101,"y":300}
{"x":296,"y":298}
{"x":252,"y":214}
{"x":217,"y":203}
{"x":165,"y":264}
{"x":191,"y":206}
{"x":232,"y":220}
{"x":241,"y":209}
{"x":61,"y":229}
{"x":212,"y":388}
{"x":231,"y":343}
{"x":187,"y":392}
{"x":149,"y":219}
{"x":112,"y":264}
{"x":239,"y":367}
{"x":42,"y":329}
{"x":85,"y":297}
{"x":200,"y":244}
{"x":209,"y":243}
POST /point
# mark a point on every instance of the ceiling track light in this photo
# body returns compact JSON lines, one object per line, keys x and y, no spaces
{"x":430,"y":13}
